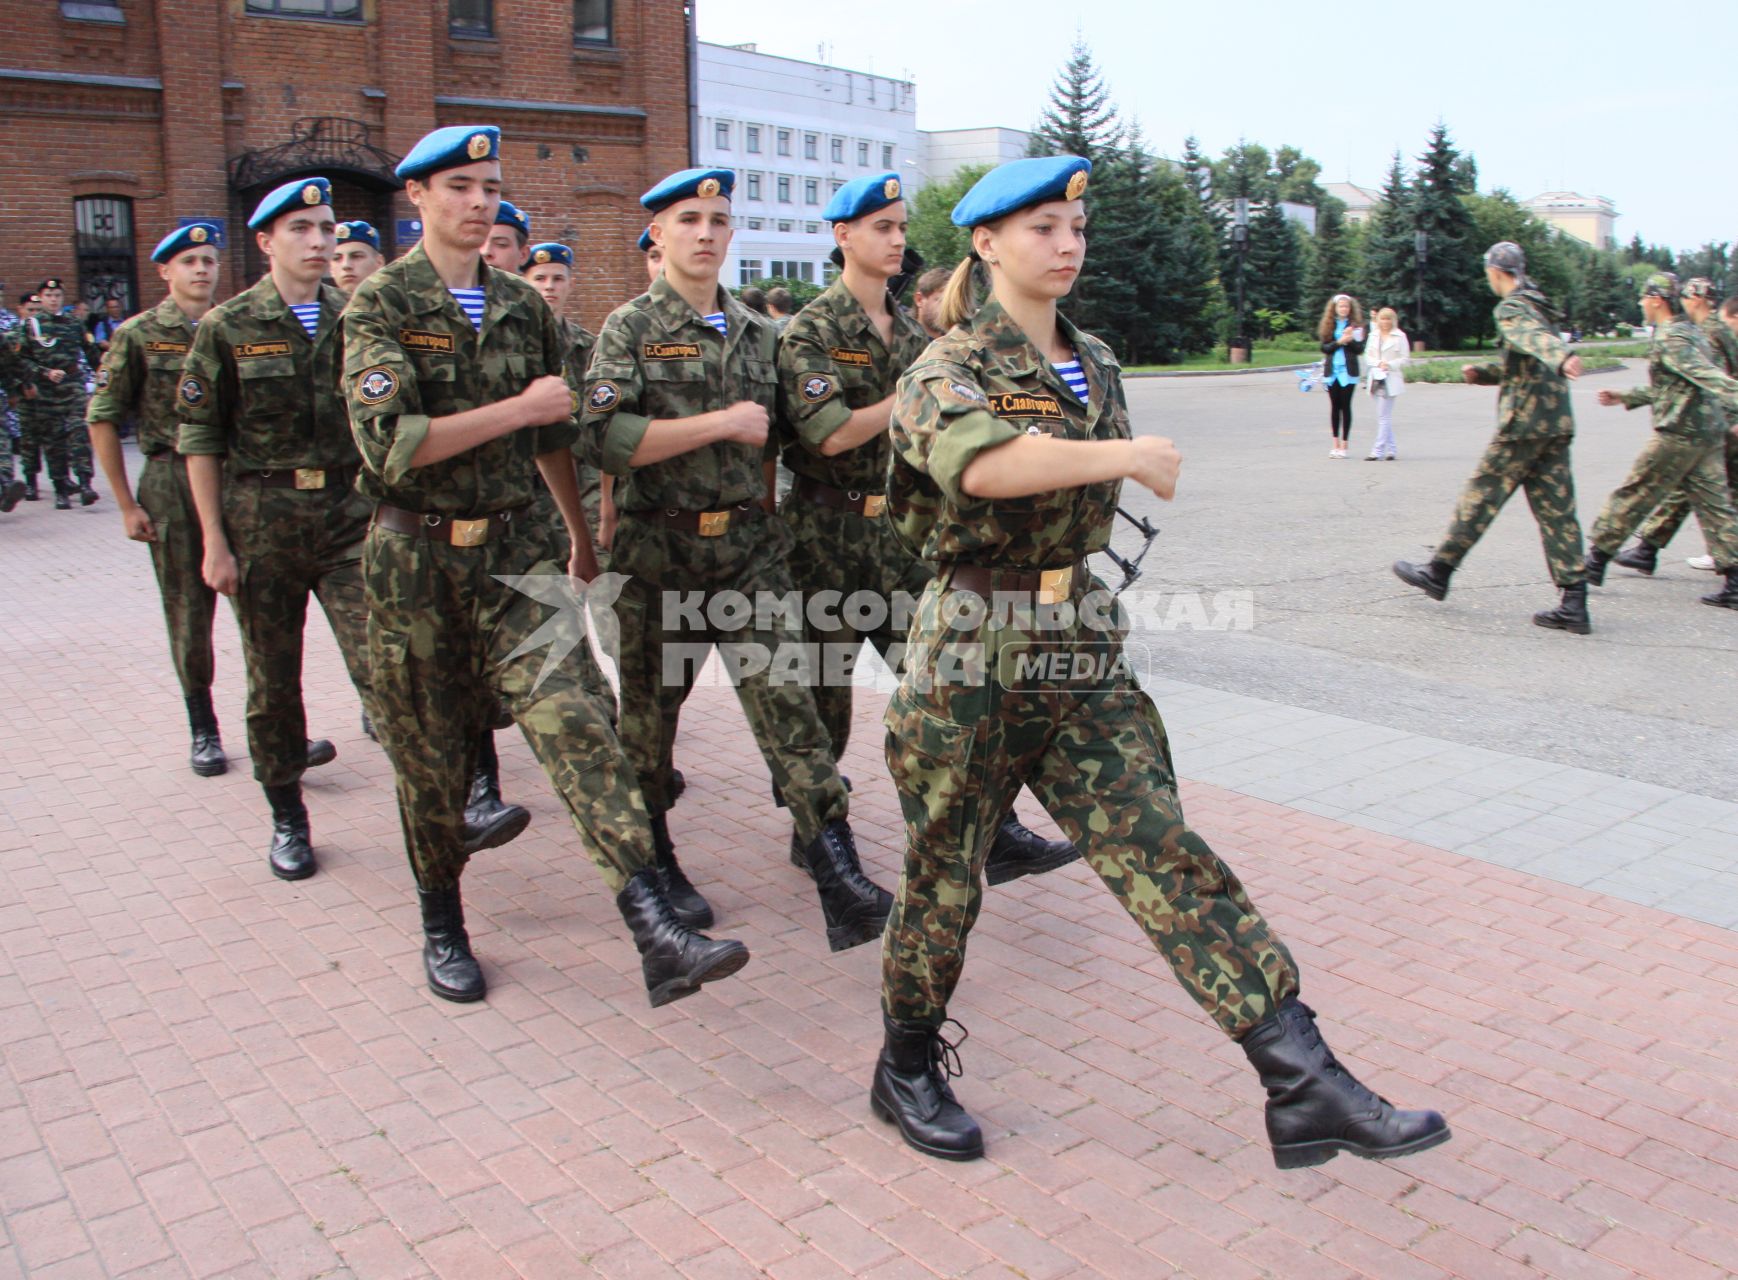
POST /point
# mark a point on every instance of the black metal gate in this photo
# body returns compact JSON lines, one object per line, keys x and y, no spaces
{"x":107,"y":260}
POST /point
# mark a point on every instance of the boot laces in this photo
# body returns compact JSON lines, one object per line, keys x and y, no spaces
{"x":1331,"y":1064}
{"x":944,"y":1054}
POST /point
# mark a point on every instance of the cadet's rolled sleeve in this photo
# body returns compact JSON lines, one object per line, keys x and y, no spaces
{"x":622,"y":434}
{"x":198,"y":398}
{"x":814,"y":429}
{"x":117,"y":380}
{"x":613,"y":400}
{"x":811,"y":393}
{"x":557,"y":435}
{"x":942,"y":423}
{"x":380,"y":390}
{"x":391,"y":443}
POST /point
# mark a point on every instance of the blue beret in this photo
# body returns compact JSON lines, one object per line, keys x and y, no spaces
{"x":646,"y":240}
{"x":303,"y":193}
{"x":184,"y":238}
{"x":1020,"y":184}
{"x":511,"y":215}
{"x":704,"y":183}
{"x":863,"y":196}
{"x":549,"y":251}
{"x":450,"y":148}
{"x":359,"y":233}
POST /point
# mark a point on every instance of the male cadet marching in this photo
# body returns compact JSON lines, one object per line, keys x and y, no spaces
{"x":273,"y":469}
{"x":680,"y":390}
{"x":357,"y":256}
{"x":1686,"y":391}
{"x":1662,"y":526}
{"x":1535,"y":427}
{"x":453,"y":373}
{"x":654,"y":255}
{"x":508,"y":247}
{"x":838,"y":362}
{"x":138,"y":379}
{"x":56,"y":351}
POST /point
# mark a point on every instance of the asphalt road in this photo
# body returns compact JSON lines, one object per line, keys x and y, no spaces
{"x":1650,"y":695}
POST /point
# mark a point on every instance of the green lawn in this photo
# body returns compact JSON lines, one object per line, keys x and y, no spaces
{"x":1263,"y":358}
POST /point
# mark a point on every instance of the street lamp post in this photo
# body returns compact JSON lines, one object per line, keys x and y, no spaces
{"x":1240,"y":246}
{"x":1421,"y":248}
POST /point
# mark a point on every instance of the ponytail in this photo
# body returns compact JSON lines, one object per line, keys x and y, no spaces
{"x":957,"y":303}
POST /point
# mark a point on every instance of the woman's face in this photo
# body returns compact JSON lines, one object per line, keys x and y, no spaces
{"x":1343,"y":308}
{"x":1040,"y":250}
{"x":1385,"y":323}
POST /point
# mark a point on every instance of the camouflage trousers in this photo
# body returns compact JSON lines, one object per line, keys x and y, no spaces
{"x":1663,"y":525}
{"x":444,"y":638}
{"x":44,"y":438}
{"x":847,"y":553}
{"x":1541,"y":466}
{"x":965,"y":730}
{"x":290,"y":544}
{"x":1669,"y":462}
{"x":6,"y":472}
{"x":661,"y":653}
{"x":177,"y":558}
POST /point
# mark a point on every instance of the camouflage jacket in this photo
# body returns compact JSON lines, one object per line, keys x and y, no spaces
{"x":64,"y":345}
{"x":980,"y":385}
{"x":658,"y":359}
{"x":831,"y":361}
{"x":140,"y":374}
{"x":256,"y":388}
{"x":580,"y":343}
{"x":1687,"y":388}
{"x":1534,"y":402}
{"x":411,"y":354}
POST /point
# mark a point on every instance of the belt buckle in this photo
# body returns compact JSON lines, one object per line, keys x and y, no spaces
{"x":874,"y":504}
{"x":714,"y":524}
{"x":1055,"y":585}
{"x":310,"y":478}
{"x":469,"y":533}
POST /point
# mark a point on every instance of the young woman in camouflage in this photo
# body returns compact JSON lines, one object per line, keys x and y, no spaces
{"x":1011,"y":440}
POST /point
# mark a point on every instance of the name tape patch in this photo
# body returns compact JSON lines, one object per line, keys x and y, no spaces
{"x":260,"y":350}
{"x":853,"y":359}
{"x":670,"y":351}
{"x":164,"y":348}
{"x":1023,"y":404}
{"x":425,"y":340}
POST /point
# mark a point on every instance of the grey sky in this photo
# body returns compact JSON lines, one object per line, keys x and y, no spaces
{"x":1547,"y":96}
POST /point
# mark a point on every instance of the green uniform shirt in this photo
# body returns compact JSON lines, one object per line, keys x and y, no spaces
{"x":63,"y":345}
{"x":1534,"y":402}
{"x":831,"y":361}
{"x":658,"y":359}
{"x":411,"y":354}
{"x":980,"y":385}
{"x":140,"y":375}
{"x":1686,"y":388}
{"x":255,"y":387}
{"x":580,"y":343}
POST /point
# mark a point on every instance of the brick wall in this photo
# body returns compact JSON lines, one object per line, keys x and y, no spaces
{"x":170,"y":150}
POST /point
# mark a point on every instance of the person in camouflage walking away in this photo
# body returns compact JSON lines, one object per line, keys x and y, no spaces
{"x":1686,"y":391}
{"x":838,"y":361}
{"x":56,"y":352}
{"x":550,"y":272}
{"x":1662,"y":526}
{"x":680,"y":393}
{"x":1011,"y":441}
{"x":12,"y":489}
{"x":272,"y":469}
{"x":454,"y":378}
{"x":1535,"y":426}
{"x":140,"y":373}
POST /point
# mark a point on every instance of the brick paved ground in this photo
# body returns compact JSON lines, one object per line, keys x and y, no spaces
{"x":208,"y":1072}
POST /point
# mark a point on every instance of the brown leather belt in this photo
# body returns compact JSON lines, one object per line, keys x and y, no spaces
{"x":817,"y":494}
{"x":451,"y":529}
{"x":708,"y":524}
{"x":1046,"y":586}
{"x":298,"y":478}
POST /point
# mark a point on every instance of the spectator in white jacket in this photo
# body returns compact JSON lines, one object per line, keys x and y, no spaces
{"x":1385,"y":356}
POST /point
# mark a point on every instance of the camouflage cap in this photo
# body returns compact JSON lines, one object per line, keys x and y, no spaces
{"x":1506,"y":255}
{"x":1661,"y":284}
{"x":1700,"y":287}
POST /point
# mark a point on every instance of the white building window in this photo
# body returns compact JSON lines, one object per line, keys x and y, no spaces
{"x":784,"y":225}
{"x":748,"y":271}
{"x":784,"y":189}
{"x":836,"y":184}
{"x":751,"y":139}
{"x":863,"y":155}
{"x":754,"y":186}
{"x":886,"y":155}
{"x":811,"y":191}
{"x":812,"y":227}
{"x":784,"y":142}
{"x":754,"y":224}
{"x":721,"y":136}
{"x":838,"y":151}
{"x":811,"y":146}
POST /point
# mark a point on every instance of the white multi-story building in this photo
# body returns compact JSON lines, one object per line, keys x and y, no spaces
{"x":795,"y":132}
{"x":947,"y":151}
{"x":1590,"y":219}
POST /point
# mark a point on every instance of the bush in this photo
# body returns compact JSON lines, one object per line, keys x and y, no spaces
{"x":1449,"y":370}
{"x":1292,"y":340}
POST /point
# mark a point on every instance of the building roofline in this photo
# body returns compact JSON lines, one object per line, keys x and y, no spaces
{"x":801,"y":62}
{"x":523,"y":104}
{"x":83,"y":77}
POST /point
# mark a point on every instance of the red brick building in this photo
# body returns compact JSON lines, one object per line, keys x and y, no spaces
{"x":128,"y":117}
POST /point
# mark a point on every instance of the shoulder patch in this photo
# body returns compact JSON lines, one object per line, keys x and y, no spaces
{"x":816,"y":388}
{"x":376,"y":385}
{"x":191,"y":392}
{"x":962,"y":392}
{"x":603,"y":397}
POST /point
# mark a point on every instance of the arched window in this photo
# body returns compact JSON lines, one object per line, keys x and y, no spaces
{"x":107,"y":259}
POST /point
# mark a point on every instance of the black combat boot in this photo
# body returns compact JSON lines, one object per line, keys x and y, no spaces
{"x":207,"y":758}
{"x":678,"y":784}
{"x":321,"y":751}
{"x":1595,"y":565}
{"x":1571,"y":615}
{"x":854,"y":907}
{"x":1727,"y":597}
{"x":1316,"y":1108}
{"x":798,"y":860}
{"x":11,"y":494}
{"x":1643,"y":557}
{"x":62,"y":502}
{"x":453,"y":972}
{"x":674,"y":958}
{"x":292,"y":853}
{"x":685,"y":900}
{"x":489,"y":824}
{"x":86,"y":494}
{"x":911,"y":1090}
{"x":1432,"y":579}
{"x":1019,"y":851}
{"x":31,"y":492}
